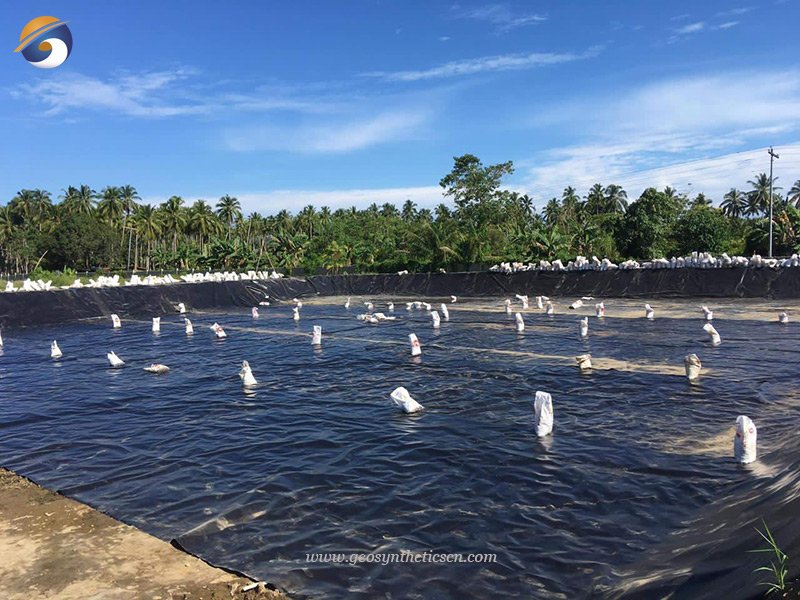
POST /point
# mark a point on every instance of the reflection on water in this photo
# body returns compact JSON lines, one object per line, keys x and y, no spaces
{"x":315,"y":459}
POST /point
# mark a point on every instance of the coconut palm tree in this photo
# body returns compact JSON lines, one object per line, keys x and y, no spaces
{"x":203,"y":222}
{"x":111,"y":207}
{"x":758,"y":197}
{"x":78,"y":200}
{"x":794,"y":194}
{"x":595,"y":199}
{"x":616,"y":199}
{"x":173,"y":219}
{"x":734,"y":204}
{"x":229,"y":211}
{"x":148,"y":225}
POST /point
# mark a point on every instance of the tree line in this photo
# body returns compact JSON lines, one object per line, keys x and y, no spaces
{"x":113,"y":230}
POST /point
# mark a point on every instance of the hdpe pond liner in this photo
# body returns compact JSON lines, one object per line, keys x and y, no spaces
{"x":634,"y":490}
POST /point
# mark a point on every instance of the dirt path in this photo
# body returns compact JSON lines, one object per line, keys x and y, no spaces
{"x":54,"y":547}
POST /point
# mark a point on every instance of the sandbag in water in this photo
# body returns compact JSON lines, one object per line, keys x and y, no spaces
{"x":114,"y":360}
{"x":453,"y":299}
{"x":416,"y":349}
{"x":584,"y":362}
{"x":55,"y":351}
{"x":181,"y":308}
{"x":584,"y":327}
{"x":576,"y":305}
{"x":712,"y":333}
{"x":436,"y":319}
{"x":218,"y":331}
{"x":403,"y":400}
{"x":600,"y":310}
{"x":520,"y":323}
{"x":549,"y":309}
{"x":543,"y":414}
{"x":316,"y":338}
{"x":248,"y":380}
{"x":347,"y":303}
{"x":189,"y":328}
{"x":115,"y":322}
{"x":783,"y":318}
{"x":156,"y":324}
{"x":296,"y":313}
{"x":523,"y":299}
{"x":445,"y":311}
{"x":745,"y":440}
{"x":649,"y":313}
{"x":539,"y":302}
{"x":157,"y":368}
{"x":254,"y":312}
{"x":709,"y":314}
{"x":693,"y":366}
{"x":391,"y":307}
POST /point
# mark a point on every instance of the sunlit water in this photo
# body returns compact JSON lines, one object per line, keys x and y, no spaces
{"x":315,"y":459}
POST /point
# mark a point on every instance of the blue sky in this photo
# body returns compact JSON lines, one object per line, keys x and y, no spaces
{"x":292,"y":103}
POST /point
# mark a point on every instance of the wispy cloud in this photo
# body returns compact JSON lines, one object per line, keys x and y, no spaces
{"x":343,"y":135}
{"x":727,"y":25}
{"x":735,"y":12}
{"x":472,"y":66}
{"x":628,"y":138}
{"x":159,"y":94}
{"x":502,"y":17}
{"x":691,"y":28}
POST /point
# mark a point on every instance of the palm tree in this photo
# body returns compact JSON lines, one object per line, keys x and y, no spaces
{"x":794,"y":194}
{"x":409,"y":211}
{"x":229,"y":210}
{"x":129,"y":197}
{"x":758,"y":197}
{"x":78,"y":200}
{"x":203,"y":222}
{"x":595,"y":199}
{"x":616,"y":199}
{"x":551,"y":211}
{"x":173,"y":219}
{"x":148,"y":224}
{"x":734,"y":204}
{"x":111,"y":206}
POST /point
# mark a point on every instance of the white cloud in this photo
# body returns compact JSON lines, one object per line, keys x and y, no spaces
{"x":503,"y":62}
{"x":735,"y":12}
{"x":502,"y":17}
{"x":628,"y":138}
{"x":727,"y":25}
{"x":270,"y":202}
{"x":691,"y":28}
{"x":330,"y":137}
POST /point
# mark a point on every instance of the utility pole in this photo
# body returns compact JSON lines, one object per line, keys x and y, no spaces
{"x":772,"y":157}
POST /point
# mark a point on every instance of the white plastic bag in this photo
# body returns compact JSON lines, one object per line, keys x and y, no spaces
{"x":713,"y":334}
{"x":549,"y":309}
{"x":709,"y":314}
{"x":248,"y":380}
{"x":693,"y":366}
{"x":115,"y":322}
{"x":296,"y":313}
{"x":114,"y":360}
{"x":181,"y":307}
{"x":156,"y":324}
{"x":403,"y":400}
{"x":445,"y":312}
{"x":745,"y":440}
{"x":189,"y":328}
{"x":520,"y":323}
{"x":600,"y":310}
{"x":584,"y":362}
{"x":218,"y":331}
{"x":416,"y":349}
{"x":649,"y":313}
{"x":254,"y":312}
{"x":543,"y":414}
{"x":584,"y":327}
{"x":783,"y":318}
{"x":436,"y":319}
{"x":316,"y":338}
{"x":55,"y":351}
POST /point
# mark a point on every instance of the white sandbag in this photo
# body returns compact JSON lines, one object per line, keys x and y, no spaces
{"x":576,"y":305}
{"x":316,"y":337}
{"x":539,"y":302}
{"x":508,"y":307}
{"x":181,"y":308}
{"x":600,"y":310}
{"x":783,"y":318}
{"x":248,"y":380}
{"x":347,"y":303}
{"x":649,"y":313}
{"x":115,"y":322}
{"x":693,"y":366}
{"x":403,"y":400}
{"x":157,"y":368}
{"x":453,"y":299}
{"x":709,"y":314}
{"x":436,"y":320}
{"x":1,"y":340}
{"x":445,"y":311}
{"x":296,"y":313}
{"x":712,"y":333}
{"x":584,"y":362}
{"x":189,"y":328}
{"x":543,"y":414}
{"x":55,"y":351}
{"x":745,"y":440}
{"x":426,"y":305}
{"x":254,"y":312}
{"x":520,"y":323}
{"x":416,"y":349}
{"x":114,"y":360}
{"x":391,"y":307}
{"x":548,"y":310}
{"x":218,"y":331}
{"x":156,"y":324}
{"x":584,"y":327}
{"x":370,"y":306}
{"x":523,"y":299}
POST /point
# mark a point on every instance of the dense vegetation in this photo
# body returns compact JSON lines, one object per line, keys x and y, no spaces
{"x":113,"y":230}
